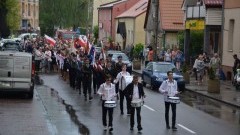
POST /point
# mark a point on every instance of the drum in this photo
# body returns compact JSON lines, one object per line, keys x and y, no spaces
{"x":110,"y":104}
{"x":128,"y":79}
{"x":175,"y":100}
{"x":137,"y":103}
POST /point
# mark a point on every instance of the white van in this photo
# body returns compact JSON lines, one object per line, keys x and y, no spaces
{"x":17,"y":72}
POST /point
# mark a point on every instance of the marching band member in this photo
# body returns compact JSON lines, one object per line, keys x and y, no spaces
{"x":134,"y":91}
{"x":122,"y":86}
{"x":107,"y":92}
{"x":87,"y":79}
{"x":169,"y":89}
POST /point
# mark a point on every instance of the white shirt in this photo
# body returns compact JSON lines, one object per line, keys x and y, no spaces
{"x":107,"y":91}
{"x":169,"y":89}
{"x":135,"y":92}
{"x":48,"y":54}
{"x":167,"y":56}
{"x":120,"y":79}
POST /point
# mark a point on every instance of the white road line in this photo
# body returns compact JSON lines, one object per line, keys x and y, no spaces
{"x":149,"y":108}
{"x":189,"y":130}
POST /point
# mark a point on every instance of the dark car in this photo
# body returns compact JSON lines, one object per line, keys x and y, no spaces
{"x":156,"y":72}
{"x":125,"y":59}
{"x":11,"y":46}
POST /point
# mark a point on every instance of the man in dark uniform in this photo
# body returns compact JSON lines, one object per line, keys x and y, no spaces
{"x":79,"y":75}
{"x":72,"y":70}
{"x":87,"y":79}
{"x":109,"y":70}
{"x":118,"y":68}
{"x":134,"y":91}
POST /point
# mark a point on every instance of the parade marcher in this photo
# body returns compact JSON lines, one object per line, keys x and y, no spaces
{"x":38,"y":57}
{"x":73,"y":70}
{"x":87,"y":79}
{"x":169,"y":89}
{"x":121,"y":87}
{"x":48,"y":60}
{"x":109,"y":70}
{"x":118,"y":68}
{"x":66,"y":67}
{"x":134,"y":91}
{"x":107,"y":93}
{"x":79,"y":78}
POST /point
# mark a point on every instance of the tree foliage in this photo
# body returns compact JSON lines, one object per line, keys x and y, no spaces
{"x":95,"y":33}
{"x":9,"y":17}
{"x":13,"y":17}
{"x":63,"y":14}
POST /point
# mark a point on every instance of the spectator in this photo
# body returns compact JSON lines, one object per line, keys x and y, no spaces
{"x":236,"y":64}
{"x":215,"y":63}
{"x":167,"y":56}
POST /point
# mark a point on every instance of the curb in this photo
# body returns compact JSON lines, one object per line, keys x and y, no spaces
{"x":219,"y":100}
{"x":201,"y":94}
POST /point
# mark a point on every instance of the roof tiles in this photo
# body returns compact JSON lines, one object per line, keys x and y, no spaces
{"x":213,"y":3}
{"x":135,"y":10}
{"x":171,"y":15}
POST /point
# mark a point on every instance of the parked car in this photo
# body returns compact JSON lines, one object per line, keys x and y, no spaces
{"x":17,"y":72}
{"x":156,"y":72}
{"x":11,"y":46}
{"x":27,"y":36}
{"x":125,"y":59}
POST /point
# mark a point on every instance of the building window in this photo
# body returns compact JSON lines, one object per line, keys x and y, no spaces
{"x":29,"y":10}
{"x":231,"y":34}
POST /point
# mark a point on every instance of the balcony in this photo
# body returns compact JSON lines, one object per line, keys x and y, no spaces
{"x":194,"y":12}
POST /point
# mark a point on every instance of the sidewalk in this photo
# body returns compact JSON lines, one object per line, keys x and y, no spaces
{"x":228,"y":94}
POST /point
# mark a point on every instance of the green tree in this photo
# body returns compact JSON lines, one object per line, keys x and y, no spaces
{"x":9,"y":17}
{"x":13,"y":17}
{"x":95,"y":33}
{"x":62,"y":13}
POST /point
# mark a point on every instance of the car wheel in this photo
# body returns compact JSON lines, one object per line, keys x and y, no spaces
{"x":31,"y":93}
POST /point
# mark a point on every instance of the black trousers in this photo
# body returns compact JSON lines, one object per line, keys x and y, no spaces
{"x":87,"y":87}
{"x":122,"y":95}
{"x":95,"y":84}
{"x":106,"y":110}
{"x":173,"y":106}
{"x":72,"y":77}
{"x":37,"y":65}
{"x":79,"y":83}
{"x":138,"y":116}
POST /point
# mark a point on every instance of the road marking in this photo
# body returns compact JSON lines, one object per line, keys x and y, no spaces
{"x":149,"y":108}
{"x":189,"y":130}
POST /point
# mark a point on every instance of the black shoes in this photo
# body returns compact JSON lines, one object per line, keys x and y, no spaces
{"x":122,"y":113}
{"x":174,"y":128}
{"x":110,"y":128}
{"x":90,"y":98}
{"x":140,"y":128}
{"x":167,"y":127}
{"x":131,"y":128}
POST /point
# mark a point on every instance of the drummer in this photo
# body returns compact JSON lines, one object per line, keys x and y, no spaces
{"x":108,"y":93}
{"x":122,"y":86}
{"x":169,"y":89}
{"x":135,"y":92}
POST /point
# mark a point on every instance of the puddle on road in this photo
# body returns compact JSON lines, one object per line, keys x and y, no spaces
{"x":82,"y":129}
{"x":214,"y":108}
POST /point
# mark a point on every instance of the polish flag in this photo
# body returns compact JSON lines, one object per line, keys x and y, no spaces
{"x":49,"y":40}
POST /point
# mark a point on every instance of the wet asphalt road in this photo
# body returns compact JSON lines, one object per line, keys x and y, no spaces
{"x":58,"y":109}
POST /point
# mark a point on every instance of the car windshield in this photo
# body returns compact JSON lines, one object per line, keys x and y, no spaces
{"x":11,"y":46}
{"x":163,"y":68}
{"x":124,"y":56}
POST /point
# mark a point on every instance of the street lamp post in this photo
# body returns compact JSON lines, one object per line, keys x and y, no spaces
{"x":156,"y":30}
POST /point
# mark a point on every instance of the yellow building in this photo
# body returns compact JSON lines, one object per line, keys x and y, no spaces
{"x":29,"y":12}
{"x":96,"y":4}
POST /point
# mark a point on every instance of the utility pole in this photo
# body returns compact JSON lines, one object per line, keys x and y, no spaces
{"x":156,"y":21}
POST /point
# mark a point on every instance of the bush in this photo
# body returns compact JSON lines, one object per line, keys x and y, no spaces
{"x":211,"y":74}
{"x":137,"y":51}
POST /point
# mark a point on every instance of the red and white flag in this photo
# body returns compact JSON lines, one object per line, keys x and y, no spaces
{"x":49,"y":40}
